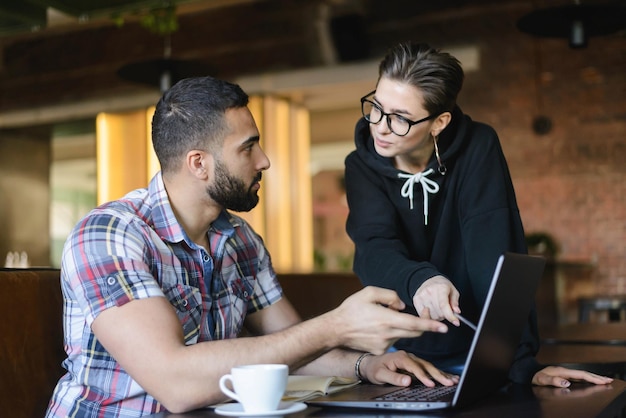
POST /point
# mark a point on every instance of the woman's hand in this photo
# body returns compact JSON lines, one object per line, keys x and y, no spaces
{"x":369,"y":320}
{"x":562,"y":377}
{"x":438,"y":299}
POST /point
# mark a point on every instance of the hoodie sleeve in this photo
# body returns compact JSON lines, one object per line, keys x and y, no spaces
{"x":381,"y":257}
{"x":492,"y":225}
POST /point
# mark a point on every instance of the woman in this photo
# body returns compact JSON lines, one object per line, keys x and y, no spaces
{"x":432,"y":206}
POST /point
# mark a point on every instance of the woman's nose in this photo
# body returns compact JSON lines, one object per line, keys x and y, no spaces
{"x":383,"y":127}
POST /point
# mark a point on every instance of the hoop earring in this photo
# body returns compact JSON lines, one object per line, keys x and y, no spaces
{"x":442,"y":167}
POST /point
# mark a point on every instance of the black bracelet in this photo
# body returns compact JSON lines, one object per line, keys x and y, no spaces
{"x":357,"y":365}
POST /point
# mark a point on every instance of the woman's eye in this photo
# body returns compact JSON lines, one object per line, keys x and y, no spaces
{"x":399,"y":118}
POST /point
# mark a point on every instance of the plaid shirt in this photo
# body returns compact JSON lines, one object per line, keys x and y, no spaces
{"x":134,"y":248}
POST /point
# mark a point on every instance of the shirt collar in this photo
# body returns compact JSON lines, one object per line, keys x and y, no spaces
{"x":165,"y":222}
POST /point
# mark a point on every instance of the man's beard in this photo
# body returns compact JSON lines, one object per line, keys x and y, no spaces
{"x":231,"y":192}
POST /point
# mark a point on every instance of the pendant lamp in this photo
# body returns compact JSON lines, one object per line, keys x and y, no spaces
{"x":575,"y":22}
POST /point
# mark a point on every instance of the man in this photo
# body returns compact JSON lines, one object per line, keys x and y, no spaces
{"x":159,"y":284}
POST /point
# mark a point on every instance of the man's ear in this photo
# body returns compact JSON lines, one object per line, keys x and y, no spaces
{"x":200,"y":164}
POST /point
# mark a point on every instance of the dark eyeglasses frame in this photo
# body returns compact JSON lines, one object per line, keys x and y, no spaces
{"x":386,"y":115}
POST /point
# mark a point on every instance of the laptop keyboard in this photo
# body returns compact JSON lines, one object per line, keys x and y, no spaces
{"x":418,"y":393}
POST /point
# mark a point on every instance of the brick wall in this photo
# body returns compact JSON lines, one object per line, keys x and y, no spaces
{"x":570,"y":182}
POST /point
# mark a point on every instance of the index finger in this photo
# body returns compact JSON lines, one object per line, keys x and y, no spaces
{"x":454,"y":301}
{"x":412,"y":323}
{"x":451,"y":309}
{"x":449,"y":315}
{"x":582,"y":375}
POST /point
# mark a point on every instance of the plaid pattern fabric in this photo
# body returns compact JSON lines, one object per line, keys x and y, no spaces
{"x":134,"y":248}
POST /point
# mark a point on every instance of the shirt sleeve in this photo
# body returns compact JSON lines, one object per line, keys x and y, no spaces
{"x":104,"y":264}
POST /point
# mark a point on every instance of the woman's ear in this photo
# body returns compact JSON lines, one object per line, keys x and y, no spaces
{"x":440,"y":123}
{"x":199,"y":164}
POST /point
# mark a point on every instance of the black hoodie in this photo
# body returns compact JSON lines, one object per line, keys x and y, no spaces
{"x":470,"y":221}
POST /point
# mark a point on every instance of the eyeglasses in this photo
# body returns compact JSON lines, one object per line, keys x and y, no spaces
{"x":397,"y":124}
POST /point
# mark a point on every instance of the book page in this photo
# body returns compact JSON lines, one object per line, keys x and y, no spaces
{"x":300,"y":388}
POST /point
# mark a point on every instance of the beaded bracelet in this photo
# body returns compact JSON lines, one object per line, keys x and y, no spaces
{"x":357,"y":365}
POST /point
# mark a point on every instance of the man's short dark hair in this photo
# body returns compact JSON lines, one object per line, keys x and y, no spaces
{"x":190,"y":115}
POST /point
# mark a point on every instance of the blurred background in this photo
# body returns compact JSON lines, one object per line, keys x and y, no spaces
{"x":78,"y":81}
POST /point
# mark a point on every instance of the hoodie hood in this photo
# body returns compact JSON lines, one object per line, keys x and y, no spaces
{"x":451,"y":140}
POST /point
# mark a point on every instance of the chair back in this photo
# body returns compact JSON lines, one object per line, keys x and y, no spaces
{"x":31,"y":340}
{"x":313,"y":294}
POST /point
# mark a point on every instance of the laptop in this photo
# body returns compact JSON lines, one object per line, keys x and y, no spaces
{"x":490,"y":356}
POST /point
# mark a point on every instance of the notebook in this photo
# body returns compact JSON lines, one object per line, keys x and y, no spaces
{"x":491,"y":353}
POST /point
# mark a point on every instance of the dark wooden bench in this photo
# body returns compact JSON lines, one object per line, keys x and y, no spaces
{"x":31,"y":348}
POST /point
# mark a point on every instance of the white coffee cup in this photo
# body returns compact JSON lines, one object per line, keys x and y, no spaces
{"x":257,"y":387}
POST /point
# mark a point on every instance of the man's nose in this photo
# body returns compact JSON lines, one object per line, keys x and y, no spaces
{"x":263,"y":162}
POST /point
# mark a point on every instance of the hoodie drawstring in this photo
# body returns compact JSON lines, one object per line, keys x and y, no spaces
{"x":428,"y":186}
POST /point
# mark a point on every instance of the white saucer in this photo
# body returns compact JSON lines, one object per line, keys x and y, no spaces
{"x":236,"y":410}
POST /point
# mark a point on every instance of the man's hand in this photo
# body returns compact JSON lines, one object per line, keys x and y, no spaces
{"x":369,"y":321}
{"x":438,"y":299}
{"x":562,"y":377}
{"x":397,"y":368}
